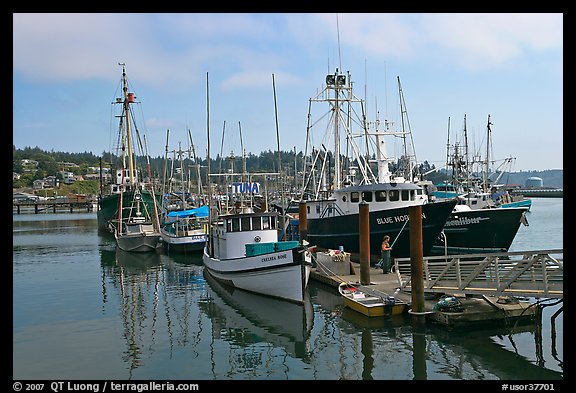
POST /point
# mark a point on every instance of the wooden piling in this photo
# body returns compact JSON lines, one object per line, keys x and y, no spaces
{"x":364,"y":226}
{"x":416,"y":263}
{"x":302,"y":221}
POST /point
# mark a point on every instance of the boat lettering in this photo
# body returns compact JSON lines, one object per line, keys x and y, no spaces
{"x":403,"y":218}
{"x":390,"y":220}
{"x":385,"y":220}
{"x":465,"y":221}
{"x":274,"y":257}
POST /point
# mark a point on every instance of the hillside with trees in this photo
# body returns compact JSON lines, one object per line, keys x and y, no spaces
{"x":52,"y":163}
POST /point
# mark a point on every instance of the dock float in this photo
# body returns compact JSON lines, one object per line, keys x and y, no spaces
{"x":472,"y":309}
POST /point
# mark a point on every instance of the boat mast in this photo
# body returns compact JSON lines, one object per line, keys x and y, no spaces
{"x":408,"y":169}
{"x":196,"y":162}
{"x":448,"y":148}
{"x":182,"y":188}
{"x":468,"y":188}
{"x":488,"y":142}
{"x":281,"y":185}
{"x":156,"y":218}
{"x":209,"y":243}
{"x":243,"y":152}
{"x":337,"y":182}
{"x":127,"y":124}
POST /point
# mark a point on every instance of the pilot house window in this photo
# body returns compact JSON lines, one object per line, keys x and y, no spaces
{"x":245,"y":221}
{"x":235,"y":225}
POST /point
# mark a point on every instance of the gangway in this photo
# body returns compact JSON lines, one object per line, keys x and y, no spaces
{"x":537,"y":274}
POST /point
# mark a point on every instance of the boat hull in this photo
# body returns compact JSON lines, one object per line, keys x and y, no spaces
{"x":334,"y":232}
{"x":138,"y":242}
{"x":184,"y":244}
{"x":282,"y":274}
{"x":480,"y":231}
{"x":374,"y":309}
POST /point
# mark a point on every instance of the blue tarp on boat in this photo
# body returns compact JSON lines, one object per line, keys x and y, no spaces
{"x":201,"y":211}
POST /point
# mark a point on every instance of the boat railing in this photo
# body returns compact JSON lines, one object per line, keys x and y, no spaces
{"x":330,"y":209}
{"x":538,"y":274}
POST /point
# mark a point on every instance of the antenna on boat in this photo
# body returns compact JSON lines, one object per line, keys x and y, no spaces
{"x":338,"y":33}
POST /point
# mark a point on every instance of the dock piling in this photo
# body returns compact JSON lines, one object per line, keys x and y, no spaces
{"x":302,"y":220}
{"x":364,"y":239}
{"x":416,"y":264}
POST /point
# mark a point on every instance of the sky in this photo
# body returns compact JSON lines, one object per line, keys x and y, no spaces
{"x":246,"y":79}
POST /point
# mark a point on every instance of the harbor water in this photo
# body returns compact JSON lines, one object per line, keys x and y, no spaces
{"x":84,"y":311}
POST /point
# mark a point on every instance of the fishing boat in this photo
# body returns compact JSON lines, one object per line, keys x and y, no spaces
{"x":109,"y":201}
{"x":184,"y":216}
{"x":244,"y":251}
{"x":370,"y":302}
{"x":185,"y":230}
{"x":478,"y":223}
{"x":134,"y":224}
{"x":138,"y":232}
{"x":333,"y":207}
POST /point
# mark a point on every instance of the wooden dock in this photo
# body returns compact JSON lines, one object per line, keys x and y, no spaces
{"x":51,"y":206}
{"x":476,"y":309}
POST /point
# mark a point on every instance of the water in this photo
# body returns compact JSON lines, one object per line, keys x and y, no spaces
{"x":83,"y":312}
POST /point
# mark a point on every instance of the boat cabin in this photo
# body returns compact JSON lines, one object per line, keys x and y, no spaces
{"x":380,"y":196}
{"x":233,"y":232}
{"x":138,"y":225}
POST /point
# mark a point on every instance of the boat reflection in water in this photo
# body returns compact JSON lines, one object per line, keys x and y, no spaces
{"x":134,"y":263}
{"x":153,"y":295}
{"x":246,"y":319}
{"x":467,"y":354}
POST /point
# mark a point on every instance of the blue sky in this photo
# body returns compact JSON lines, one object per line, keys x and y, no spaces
{"x":508,"y":66}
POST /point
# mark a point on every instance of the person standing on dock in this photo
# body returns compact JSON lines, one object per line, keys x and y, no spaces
{"x":385,"y":250}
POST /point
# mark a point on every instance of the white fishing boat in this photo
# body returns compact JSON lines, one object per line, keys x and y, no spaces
{"x":185,"y":230}
{"x":244,"y":251}
{"x":244,"y":248}
{"x":184,"y":215}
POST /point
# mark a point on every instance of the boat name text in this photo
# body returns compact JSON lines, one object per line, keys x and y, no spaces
{"x":395,"y":219}
{"x":465,"y":221}
{"x":273,"y":258}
